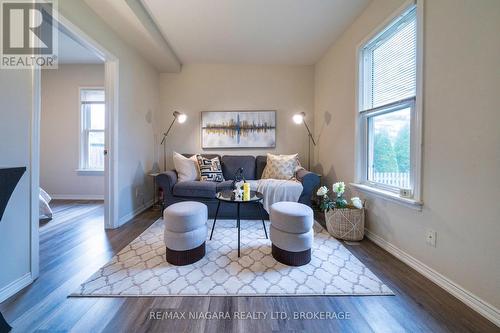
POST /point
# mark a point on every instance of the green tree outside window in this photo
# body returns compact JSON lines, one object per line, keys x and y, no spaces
{"x":384,"y":157}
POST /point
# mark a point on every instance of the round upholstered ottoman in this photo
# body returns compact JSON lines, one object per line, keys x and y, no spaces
{"x":291,"y":232}
{"x":185,"y":232}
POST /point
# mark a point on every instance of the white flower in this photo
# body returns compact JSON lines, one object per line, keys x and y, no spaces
{"x":323,"y":190}
{"x":356,"y":202}
{"x":338,"y":188}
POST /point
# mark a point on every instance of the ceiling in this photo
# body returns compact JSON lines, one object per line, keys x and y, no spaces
{"x":72,"y":52}
{"x":294,"y":32}
{"x":175,"y":32}
{"x":132,"y":23}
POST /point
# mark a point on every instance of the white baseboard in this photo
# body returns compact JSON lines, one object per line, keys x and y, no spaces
{"x":77,"y":196}
{"x":124,"y":219}
{"x":15,"y":286}
{"x":474,"y":302}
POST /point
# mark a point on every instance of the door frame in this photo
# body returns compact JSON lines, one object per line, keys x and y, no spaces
{"x":111,"y":87}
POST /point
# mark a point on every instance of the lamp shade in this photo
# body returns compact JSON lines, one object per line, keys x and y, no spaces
{"x":181,"y":117}
{"x":298,"y":118}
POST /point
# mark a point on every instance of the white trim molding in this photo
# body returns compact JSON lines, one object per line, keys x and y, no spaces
{"x":34,"y":170}
{"x":111,"y":69}
{"x":89,"y":172}
{"x":77,"y":196}
{"x":389,"y":196}
{"x":15,"y":286}
{"x":468,"y":298}
{"x":126,"y":218}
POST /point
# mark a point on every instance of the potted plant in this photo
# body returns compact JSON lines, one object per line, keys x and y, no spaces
{"x":343,"y":220}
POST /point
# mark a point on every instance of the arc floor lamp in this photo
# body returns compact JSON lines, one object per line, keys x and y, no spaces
{"x":299,"y":118}
{"x":180,"y":118}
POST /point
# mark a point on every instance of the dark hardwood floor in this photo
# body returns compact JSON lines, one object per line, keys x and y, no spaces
{"x":74,"y":245}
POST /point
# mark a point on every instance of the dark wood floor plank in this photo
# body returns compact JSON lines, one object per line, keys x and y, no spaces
{"x":99,"y":315}
{"x":74,"y":245}
{"x":131,"y":316}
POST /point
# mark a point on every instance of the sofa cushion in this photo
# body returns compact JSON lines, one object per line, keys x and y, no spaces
{"x":231,"y":163}
{"x":281,"y":166}
{"x":210,"y":169}
{"x":260,"y":165}
{"x":187,"y":168}
{"x":225,"y":185}
{"x":195,"y":189}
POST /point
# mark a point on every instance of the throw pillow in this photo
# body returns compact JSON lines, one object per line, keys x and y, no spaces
{"x":210,"y":169}
{"x":187,"y":168}
{"x":281,"y":166}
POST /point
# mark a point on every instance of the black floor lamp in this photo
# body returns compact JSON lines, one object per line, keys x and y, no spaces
{"x":299,"y":118}
{"x":180,"y":118}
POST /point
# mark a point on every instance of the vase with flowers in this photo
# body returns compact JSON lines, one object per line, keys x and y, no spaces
{"x":343,"y":220}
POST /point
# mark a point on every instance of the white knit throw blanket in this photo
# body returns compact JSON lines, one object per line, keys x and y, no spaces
{"x":275,"y":190}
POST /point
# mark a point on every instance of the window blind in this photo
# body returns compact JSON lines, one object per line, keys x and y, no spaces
{"x":92,"y":95}
{"x":390,"y":63}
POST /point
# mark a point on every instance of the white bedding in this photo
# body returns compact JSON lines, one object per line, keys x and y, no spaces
{"x":275,"y":190}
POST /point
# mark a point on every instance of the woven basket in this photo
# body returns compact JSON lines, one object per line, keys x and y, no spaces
{"x":346,"y":223}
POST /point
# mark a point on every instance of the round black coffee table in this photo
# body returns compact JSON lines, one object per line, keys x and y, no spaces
{"x":229,"y":197}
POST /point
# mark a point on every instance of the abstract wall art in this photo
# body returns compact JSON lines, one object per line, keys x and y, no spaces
{"x":238,"y":129}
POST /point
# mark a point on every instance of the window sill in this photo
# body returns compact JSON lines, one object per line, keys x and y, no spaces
{"x":93,"y":172}
{"x":390,"y":196}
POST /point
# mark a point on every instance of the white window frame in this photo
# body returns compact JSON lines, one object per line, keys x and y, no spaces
{"x":415,"y":103}
{"x":83,"y":166}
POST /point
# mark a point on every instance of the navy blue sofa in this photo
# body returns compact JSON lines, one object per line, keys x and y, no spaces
{"x":204,"y":192}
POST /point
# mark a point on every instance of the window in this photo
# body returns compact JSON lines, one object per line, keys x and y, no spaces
{"x":92,"y":120}
{"x":389,"y":135}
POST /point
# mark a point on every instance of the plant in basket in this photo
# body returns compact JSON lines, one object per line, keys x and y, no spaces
{"x":326,"y":203}
{"x":343,"y":220}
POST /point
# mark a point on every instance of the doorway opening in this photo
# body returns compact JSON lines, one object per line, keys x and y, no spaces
{"x":74,"y":135}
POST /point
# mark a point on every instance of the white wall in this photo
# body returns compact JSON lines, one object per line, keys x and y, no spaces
{"x":286,"y":89}
{"x":15,"y":130}
{"x":461,"y":153}
{"x":59,"y":132}
{"x":138,"y":101}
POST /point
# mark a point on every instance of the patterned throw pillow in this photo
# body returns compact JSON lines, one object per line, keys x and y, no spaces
{"x":210,"y":169}
{"x":281,"y":166}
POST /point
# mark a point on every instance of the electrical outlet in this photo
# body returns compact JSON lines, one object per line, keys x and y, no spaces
{"x":431,"y":238}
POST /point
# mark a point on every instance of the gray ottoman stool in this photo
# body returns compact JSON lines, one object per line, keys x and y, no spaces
{"x":185,"y":232}
{"x":291,"y":232}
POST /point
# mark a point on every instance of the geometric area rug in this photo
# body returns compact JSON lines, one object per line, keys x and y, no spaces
{"x":140,"y":268}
